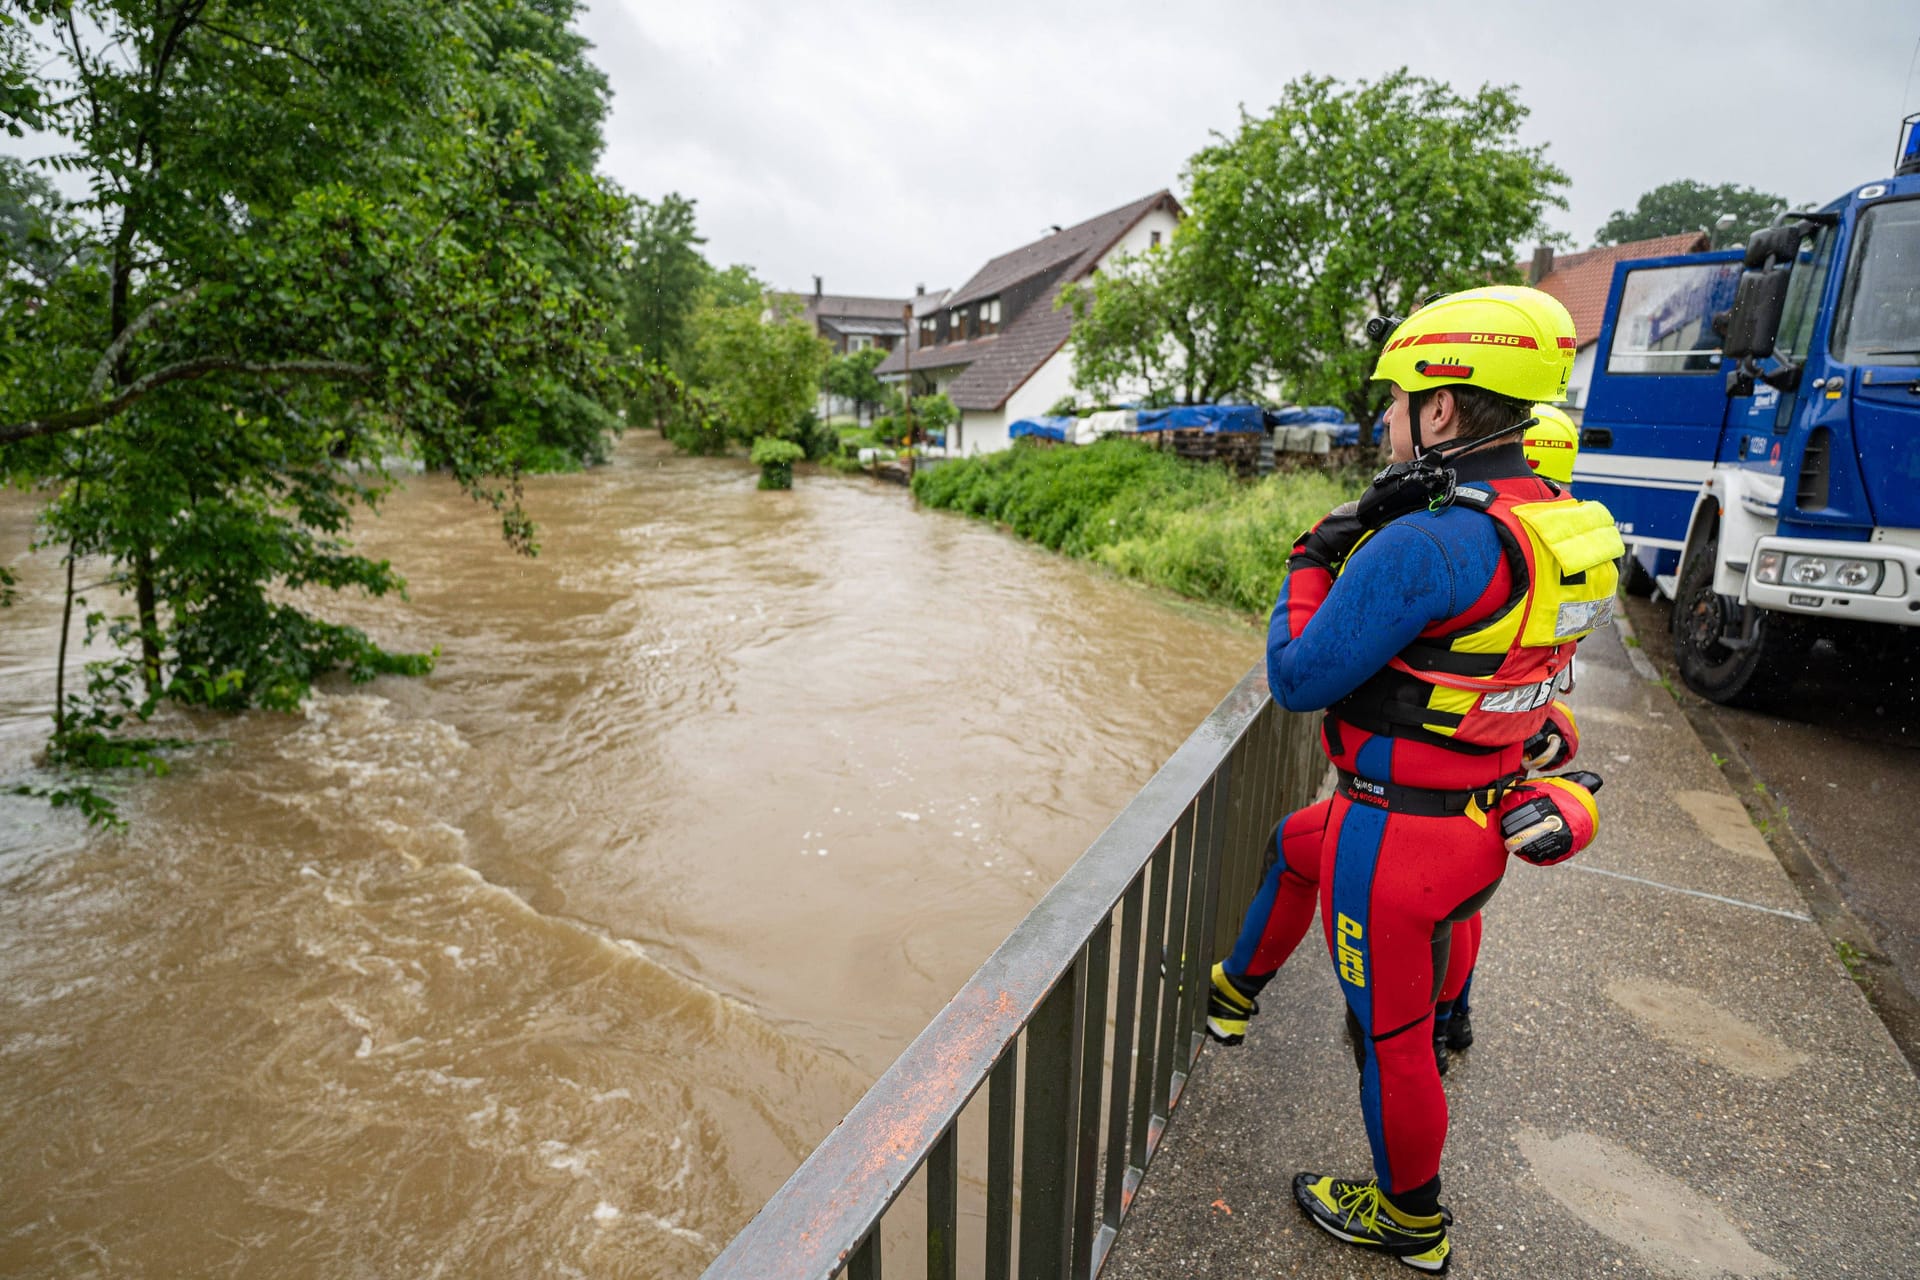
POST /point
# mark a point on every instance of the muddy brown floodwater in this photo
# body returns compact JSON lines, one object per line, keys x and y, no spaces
{"x":559,"y":960}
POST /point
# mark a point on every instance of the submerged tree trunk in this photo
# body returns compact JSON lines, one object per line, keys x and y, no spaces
{"x":60,"y":668}
{"x":143,"y":596}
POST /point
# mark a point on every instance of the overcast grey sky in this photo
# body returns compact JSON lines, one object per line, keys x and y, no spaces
{"x":884,"y":145}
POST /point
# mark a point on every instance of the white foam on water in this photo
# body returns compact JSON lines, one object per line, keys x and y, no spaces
{"x":604,"y":1212}
{"x":560,"y":1155}
{"x":671,"y":1226}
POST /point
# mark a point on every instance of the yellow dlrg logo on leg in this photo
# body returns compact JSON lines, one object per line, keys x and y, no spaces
{"x":1353,"y":965}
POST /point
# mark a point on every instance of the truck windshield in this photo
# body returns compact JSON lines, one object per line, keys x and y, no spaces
{"x":1879,"y":320}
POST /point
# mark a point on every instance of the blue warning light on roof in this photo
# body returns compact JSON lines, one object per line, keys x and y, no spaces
{"x":1909,"y":161}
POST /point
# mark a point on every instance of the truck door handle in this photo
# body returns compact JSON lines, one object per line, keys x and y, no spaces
{"x":1596,"y":438}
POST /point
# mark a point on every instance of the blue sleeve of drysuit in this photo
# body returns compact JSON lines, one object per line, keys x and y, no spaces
{"x":1417,"y":571}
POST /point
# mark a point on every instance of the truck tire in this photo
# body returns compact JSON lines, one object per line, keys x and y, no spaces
{"x":1702,"y":618}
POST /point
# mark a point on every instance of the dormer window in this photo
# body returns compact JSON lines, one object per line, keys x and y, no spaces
{"x":929,"y":330}
{"x":957,"y":325}
{"x":987,"y":317}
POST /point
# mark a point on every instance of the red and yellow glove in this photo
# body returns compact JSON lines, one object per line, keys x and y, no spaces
{"x":1548,"y":820}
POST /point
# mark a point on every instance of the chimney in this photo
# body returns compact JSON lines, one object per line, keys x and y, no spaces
{"x":919,"y":291}
{"x":816,"y":288}
{"x":1542,"y":265}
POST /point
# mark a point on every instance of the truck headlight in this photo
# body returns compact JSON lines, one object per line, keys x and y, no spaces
{"x":1859,"y":575}
{"x":1807,"y":570}
{"x":1863,"y":576}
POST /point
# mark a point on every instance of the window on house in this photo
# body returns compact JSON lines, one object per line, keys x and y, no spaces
{"x":956,"y":325}
{"x":1153,"y":240}
{"x":988,"y":317}
{"x":929,"y":330}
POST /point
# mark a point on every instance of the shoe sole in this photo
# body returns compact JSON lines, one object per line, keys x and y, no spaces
{"x":1215,"y":1034}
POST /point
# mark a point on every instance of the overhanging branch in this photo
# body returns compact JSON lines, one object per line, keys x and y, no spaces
{"x":111,"y":357}
{"x":92,"y":415}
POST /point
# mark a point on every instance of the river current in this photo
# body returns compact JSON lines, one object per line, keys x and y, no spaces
{"x":559,"y":959}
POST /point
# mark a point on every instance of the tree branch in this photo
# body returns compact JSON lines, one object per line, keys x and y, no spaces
{"x":261,"y":46}
{"x":91,"y":415}
{"x":111,"y":357}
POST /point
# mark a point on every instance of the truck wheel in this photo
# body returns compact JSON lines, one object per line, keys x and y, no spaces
{"x":1634,"y":579}
{"x":1703,"y":620}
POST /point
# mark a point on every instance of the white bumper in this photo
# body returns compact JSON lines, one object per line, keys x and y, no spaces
{"x":1895,"y":601}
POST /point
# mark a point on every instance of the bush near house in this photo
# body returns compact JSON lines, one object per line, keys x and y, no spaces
{"x":1191,"y":528}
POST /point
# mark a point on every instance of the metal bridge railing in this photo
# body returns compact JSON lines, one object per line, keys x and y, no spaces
{"x":1083,"y":1026}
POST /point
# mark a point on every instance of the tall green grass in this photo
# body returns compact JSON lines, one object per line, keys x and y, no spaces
{"x":1189,"y":527}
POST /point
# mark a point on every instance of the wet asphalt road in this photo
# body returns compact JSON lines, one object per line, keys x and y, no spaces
{"x":1841,"y":753}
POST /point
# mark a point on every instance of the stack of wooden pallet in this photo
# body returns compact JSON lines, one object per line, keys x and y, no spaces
{"x":1237,"y":449}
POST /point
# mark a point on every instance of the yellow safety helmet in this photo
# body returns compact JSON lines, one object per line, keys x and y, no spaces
{"x":1507,"y":339}
{"x":1552,"y":443}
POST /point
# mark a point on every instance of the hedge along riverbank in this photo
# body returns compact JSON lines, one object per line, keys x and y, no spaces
{"x":1189,"y":527}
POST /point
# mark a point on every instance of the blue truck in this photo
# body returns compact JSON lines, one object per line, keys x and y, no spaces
{"x":1753,"y":422}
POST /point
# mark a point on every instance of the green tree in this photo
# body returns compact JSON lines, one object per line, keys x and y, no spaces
{"x":210,"y":387}
{"x":663,"y":279}
{"x":761,"y":376}
{"x":851,"y":377}
{"x":1338,"y":203}
{"x":1172,"y":326}
{"x":1686,"y":205}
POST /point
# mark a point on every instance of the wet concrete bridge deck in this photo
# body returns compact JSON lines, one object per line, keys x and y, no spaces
{"x":1674,"y":1074}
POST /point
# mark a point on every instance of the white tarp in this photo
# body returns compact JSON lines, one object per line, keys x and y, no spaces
{"x":1088,"y":429}
{"x":1314,"y":438}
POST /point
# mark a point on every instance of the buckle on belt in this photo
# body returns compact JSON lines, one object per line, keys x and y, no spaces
{"x":1426,"y":802}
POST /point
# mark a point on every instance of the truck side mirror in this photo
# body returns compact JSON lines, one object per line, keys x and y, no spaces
{"x":1758,"y":305}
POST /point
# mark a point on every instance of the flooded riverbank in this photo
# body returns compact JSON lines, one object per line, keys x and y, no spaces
{"x":561,"y":957}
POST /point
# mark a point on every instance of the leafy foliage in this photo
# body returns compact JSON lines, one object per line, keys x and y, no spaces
{"x":1338,"y":203}
{"x":317,"y":236}
{"x":1173,"y":326}
{"x":851,"y":377}
{"x":760,"y":377}
{"x":1686,"y":205}
{"x":1191,"y":528}
{"x":775,"y":458}
{"x":663,"y":280}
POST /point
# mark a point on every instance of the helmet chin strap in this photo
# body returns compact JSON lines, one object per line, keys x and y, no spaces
{"x":1416,"y":405}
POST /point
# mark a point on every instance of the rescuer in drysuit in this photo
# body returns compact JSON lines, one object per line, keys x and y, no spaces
{"x":1433,"y":621}
{"x":1551,"y":446}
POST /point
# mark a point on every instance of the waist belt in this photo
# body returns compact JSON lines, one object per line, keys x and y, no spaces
{"x":1425,"y":802}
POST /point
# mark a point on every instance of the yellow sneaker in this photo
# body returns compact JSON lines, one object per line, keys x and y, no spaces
{"x":1361,"y":1214}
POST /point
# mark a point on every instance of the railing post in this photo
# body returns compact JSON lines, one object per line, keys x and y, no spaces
{"x":1151,"y":964}
{"x":1051,"y":1111}
{"x":1000,"y":1109}
{"x":1093,"y":1069}
{"x":943,"y":1207}
{"x":1119,"y":1101}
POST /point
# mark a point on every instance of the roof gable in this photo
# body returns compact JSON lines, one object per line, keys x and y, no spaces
{"x":1077,"y":248}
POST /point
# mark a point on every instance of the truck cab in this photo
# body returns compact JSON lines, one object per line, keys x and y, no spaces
{"x":1754,"y":425}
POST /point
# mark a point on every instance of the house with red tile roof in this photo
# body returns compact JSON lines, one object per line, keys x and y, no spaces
{"x":997,"y":344}
{"x":1581,"y":280}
